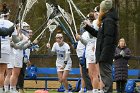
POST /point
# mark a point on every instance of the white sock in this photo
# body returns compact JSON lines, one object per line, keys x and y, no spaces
{"x":82,"y":89}
{"x":95,"y":90}
{"x":6,"y":88}
{"x":1,"y":90}
{"x":12,"y":88}
{"x":66,"y":90}
{"x":89,"y":91}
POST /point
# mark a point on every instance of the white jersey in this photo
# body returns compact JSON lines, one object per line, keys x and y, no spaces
{"x":80,"y":47}
{"x":5,"y":40}
{"x":61,"y":52}
{"x":95,"y":26}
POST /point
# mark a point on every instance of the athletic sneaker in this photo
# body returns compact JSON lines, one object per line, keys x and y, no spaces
{"x":89,"y":91}
{"x":95,"y":91}
{"x":81,"y":91}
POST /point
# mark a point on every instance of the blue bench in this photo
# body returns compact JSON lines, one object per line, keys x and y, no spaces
{"x":47,"y":74}
{"x":134,"y":73}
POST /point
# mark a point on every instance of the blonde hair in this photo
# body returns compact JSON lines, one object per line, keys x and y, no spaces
{"x":122,"y":39}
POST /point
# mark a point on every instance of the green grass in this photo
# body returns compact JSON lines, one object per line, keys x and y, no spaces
{"x":50,"y":91}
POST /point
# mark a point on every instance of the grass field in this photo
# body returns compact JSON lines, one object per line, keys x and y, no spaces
{"x":50,"y":91}
{"x":51,"y":84}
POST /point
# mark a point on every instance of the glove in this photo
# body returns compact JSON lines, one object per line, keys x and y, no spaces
{"x":36,"y":47}
{"x":122,"y":53}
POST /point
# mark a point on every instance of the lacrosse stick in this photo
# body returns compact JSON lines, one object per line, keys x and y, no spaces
{"x":78,"y":11}
{"x":28,"y":6}
{"x":62,"y":13}
{"x":50,"y":15}
{"x":72,"y":16}
{"x":51,"y":29}
{"x":49,"y":23}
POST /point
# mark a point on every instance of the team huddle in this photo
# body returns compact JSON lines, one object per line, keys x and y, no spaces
{"x":96,"y":46}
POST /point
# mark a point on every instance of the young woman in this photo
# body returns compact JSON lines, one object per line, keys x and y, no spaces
{"x":63,"y":61}
{"x":80,"y":50}
{"x":5,"y":47}
{"x":122,"y":55}
{"x":93,"y":68}
{"x":9,"y":71}
{"x":20,"y":42}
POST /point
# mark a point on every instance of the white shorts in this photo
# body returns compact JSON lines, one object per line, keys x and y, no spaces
{"x":5,"y":58}
{"x":62,"y":66}
{"x":18,"y":59}
{"x":12,"y":60}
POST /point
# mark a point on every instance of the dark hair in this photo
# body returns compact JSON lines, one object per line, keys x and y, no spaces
{"x":5,"y":9}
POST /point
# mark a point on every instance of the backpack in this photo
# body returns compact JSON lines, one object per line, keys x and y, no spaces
{"x":78,"y":86}
{"x":31,"y":72}
{"x":130,"y":86}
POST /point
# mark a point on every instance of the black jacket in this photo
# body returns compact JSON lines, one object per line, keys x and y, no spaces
{"x":121,"y":62}
{"x":106,"y":37}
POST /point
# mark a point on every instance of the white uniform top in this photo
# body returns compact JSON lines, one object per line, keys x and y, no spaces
{"x":61,"y":51}
{"x":5,"y":41}
{"x":80,"y":47}
{"x":95,"y":26}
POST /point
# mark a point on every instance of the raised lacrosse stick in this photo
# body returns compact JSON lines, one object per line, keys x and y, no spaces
{"x":78,"y":11}
{"x":51,"y":29}
{"x":49,"y":23}
{"x":72,"y":16}
{"x":28,"y":6}
{"x":68,"y":24}
{"x":50,"y":15}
